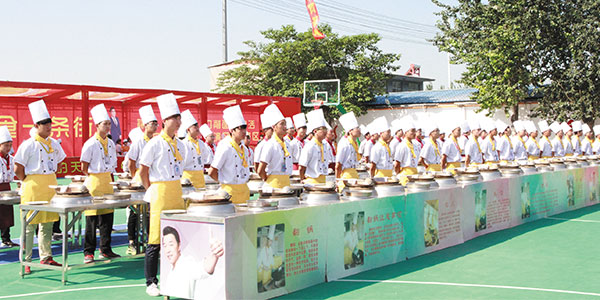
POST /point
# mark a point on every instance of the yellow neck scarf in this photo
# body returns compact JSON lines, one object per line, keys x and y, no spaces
{"x":45,"y":143}
{"x":561,"y":143}
{"x":195,"y":143}
{"x":589,"y":141}
{"x":146,"y":138}
{"x":547,"y":139}
{"x":477,"y":142}
{"x":172,"y":144}
{"x":435,"y":146}
{"x":456,"y":143}
{"x":387,"y":147}
{"x":282,"y":144}
{"x":321,"y":146}
{"x":536,"y":143}
{"x":240,"y":152}
{"x":522,"y":141}
{"x":493,"y":144}
{"x":409,"y":144}
{"x":104,"y":142}
{"x":355,"y":146}
{"x":509,"y":141}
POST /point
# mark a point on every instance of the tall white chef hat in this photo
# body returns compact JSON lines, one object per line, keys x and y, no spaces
{"x":233,"y":117}
{"x":518,"y":125}
{"x":555,"y":127}
{"x":429,"y":127}
{"x":487,"y":125}
{"x":474,"y":124}
{"x":135,"y":134}
{"x":316,"y":119}
{"x":99,"y":114}
{"x":543,"y":125}
{"x":288,"y":123}
{"x":263,"y":122}
{"x":565,"y":127}
{"x":299,"y":120}
{"x":205,"y":130}
{"x":407,"y":124}
{"x":364,"y":129}
{"x":38,"y":111}
{"x":396,"y":126}
{"x":348,"y":121}
{"x":501,"y":126}
{"x":380,"y":125}
{"x":577,"y":126}
{"x":272,"y":115}
{"x":5,"y":135}
{"x":530,"y":126}
{"x":187,"y":120}
{"x":167,"y":104}
{"x":271,"y":232}
{"x":596,"y":129}
{"x":464,"y":127}
{"x":585,"y":128}
{"x":147,"y":114}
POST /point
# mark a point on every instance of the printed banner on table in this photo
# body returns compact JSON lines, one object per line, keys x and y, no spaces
{"x":485,"y":208}
{"x":364,"y":235}
{"x":276,"y":252}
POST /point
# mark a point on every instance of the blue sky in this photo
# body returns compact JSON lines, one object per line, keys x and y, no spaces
{"x":164,"y":44}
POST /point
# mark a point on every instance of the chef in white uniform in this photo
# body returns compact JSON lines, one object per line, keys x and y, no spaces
{"x":396,"y":127}
{"x":291,"y":131}
{"x":268,"y":133}
{"x":596,"y":143}
{"x":576,"y":137}
{"x":297,"y":143}
{"x":196,"y":150}
{"x":431,"y":155}
{"x":473,"y":154}
{"x":382,"y":162}
{"x":588,"y":140}
{"x":534,"y":150}
{"x":313,"y":161}
{"x":545,"y":144}
{"x":505,"y":145}
{"x":519,"y":141}
{"x":558,"y":148}
{"x":275,"y":166}
{"x":407,"y":156}
{"x":347,"y":156}
{"x":209,"y":141}
{"x":451,"y":158}
{"x":567,"y":134}
{"x":489,"y":145}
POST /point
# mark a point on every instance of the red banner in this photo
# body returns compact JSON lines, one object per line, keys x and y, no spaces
{"x":314,"y":19}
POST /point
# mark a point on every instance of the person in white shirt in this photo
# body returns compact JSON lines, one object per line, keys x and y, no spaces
{"x":370,"y":143}
{"x":230,"y":166}
{"x":161,"y":168}
{"x":518,"y":141}
{"x":268,"y":133}
{"x":196,"y":150}
{"x":544,"y":143}
{"x":396,"y":127}
{"x":361,"y":148}
{"x":588,"y":140}
{"x":407,"y":156}
{"x":296,"y":144}
{"x":185,"y":276}
{"x":431,"y":156}
{"x":7,"y":175}
{"x":247,"y":141}
{"x":489,"y":144}
{"x":451,"y":150}
{"x":576,"y":137}
{"x":568,"y":133}
{"x":558,"y":148}
{"x":36,"y":163}
{"x":209,"y":140}
{"x":347,"y":156}
{"x":382,"y":163}
{"x":291,"y":131}
{"x":465,"y":130}
{"x":276,"y":164}
{"x":313,"y":163}
{"x":473,"y":154}
{"x":330,"y":146}
{"x":505,"y":146}
{"x":98,"y":162}
{"x":534,"y":150}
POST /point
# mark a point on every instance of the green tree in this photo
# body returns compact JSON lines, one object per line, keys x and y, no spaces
{"x":288,"y":58}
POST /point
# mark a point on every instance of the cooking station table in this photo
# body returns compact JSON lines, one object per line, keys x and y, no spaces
{"x":76,"y":210}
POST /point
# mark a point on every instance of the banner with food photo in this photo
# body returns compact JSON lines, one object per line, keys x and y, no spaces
{"x":486,"y":208}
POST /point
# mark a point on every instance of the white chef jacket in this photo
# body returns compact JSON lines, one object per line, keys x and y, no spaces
{"x":520,"y":148}
{"x":346,"y":155}
{"x":329,"y":158}
{"x":182,"y":280}
{"x":136,"y":151}
{"x":7,"y":173}
{"x":576,"y":142}
{"x":194,"y":161}
{"x":567,"y":145}
{"x":545,"y":146}
{"x":404,"y":155}
{"x":208,"y":158}
{"x":258,"y":151}
{"x":586,"y":147}
{"x":558,"y":147}
{"x":310,"y":157}
{"x":351,"y":239}
{"x":532,"y":148}
{"x":394,"y":145}
{"x":250,"y":156}
{"x":33,"y":156}
{"x":367,"y":150}
{"x":295,"y":147}
{"x":462,"y":141}
{"x":159,"y":158}
{"x":505,"y":148}
{"x":93,"y":154}
{"x":430,"y":154}
{"x":265,"y":260}
{"x":489,"y":148}
{"x":596,"y":146}
{"x":230,"y":165}
{"x":451,"y":150}
{"x":381,"y":158}
{"x":273,"y":155}
{"x":472,"y":151}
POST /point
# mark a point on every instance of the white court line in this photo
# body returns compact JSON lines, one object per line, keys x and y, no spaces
{"x":573,"y":220}
{"x":472,"y":285}
{"x":72,"y":290}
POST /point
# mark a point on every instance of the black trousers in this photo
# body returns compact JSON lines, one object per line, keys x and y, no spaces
{"x":56,"y":227}
{"x":5,"y":233}
{"x":132,"y":225}
{"x":151,"y":263}
{"x":102,"y":222}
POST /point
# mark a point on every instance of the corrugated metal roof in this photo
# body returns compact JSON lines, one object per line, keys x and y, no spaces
{"x":424,"y":97}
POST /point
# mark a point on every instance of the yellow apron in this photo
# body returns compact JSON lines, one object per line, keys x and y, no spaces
{"x":278,"y":181}
{"x":35,"y":188}
{"x":434,"y":167}
{"x":547,"y":156}
{"x":347,"y":174}
{"x":319,"y":180}
{"x":164,"y":195}
{"x":491,"y":162}
{"x":531,"y":157}
{"x":569,"y":154}
{"x":196,"y":177}
{"x":504,"y":161}
{"x":384,"y":173}
{"x":240,"y":193}
{"x":407,"y":171}
{"x":99,"y":185}
{"x":453,"y":165}
{"x":137,"y":177}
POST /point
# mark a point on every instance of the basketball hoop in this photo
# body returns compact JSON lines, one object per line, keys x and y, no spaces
{"x":319,"y":93}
